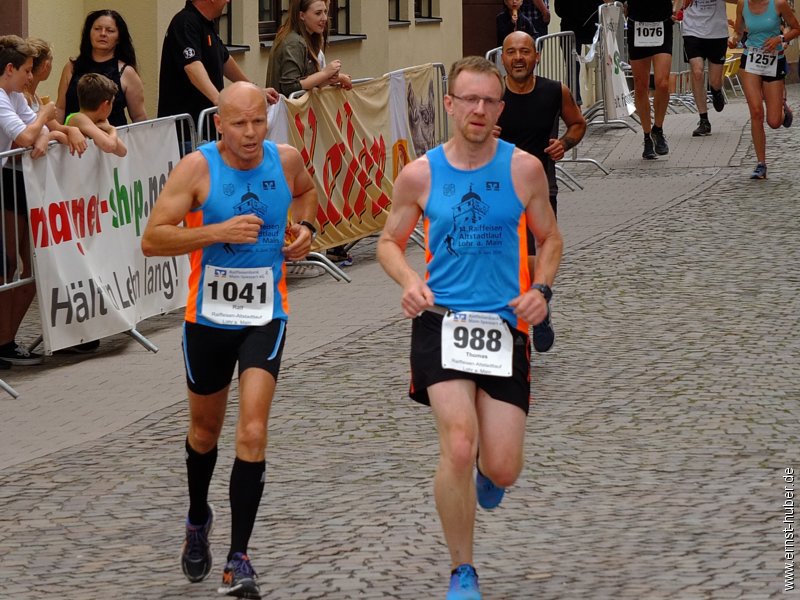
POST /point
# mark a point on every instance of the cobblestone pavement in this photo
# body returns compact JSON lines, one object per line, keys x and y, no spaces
{"x":663,"y":420}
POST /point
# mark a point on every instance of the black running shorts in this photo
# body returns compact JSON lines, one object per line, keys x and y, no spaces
{"x":635,"y":53}
{"x":712,"y":49}
{"x":211,"y":353}
{"x":426,"y":365}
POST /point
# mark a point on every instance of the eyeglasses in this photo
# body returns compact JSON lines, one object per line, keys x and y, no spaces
{"x":474,"y":101}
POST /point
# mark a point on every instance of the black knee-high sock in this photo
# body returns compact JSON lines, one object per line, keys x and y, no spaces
{"x":246,"y":489}
{"x":199,"y":469}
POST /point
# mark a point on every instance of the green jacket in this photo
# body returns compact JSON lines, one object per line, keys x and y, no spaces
{"x":289,"y":63}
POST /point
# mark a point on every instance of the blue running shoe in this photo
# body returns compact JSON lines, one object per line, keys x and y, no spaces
{"x":196,"y":552}
{"x":760,"y":172}
{"x":489,"y":495}
{"x":464,"y":584}
{"x":239,"y":579}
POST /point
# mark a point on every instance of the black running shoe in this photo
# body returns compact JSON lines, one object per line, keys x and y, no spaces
{"x":196,"y":556}
{"x":717,"y":99}
{"x":543,"y":334}
{"x":788,"y":117}
{"x":649,"y":153}
{"x":703,"y":128}
{"x":660,"y":141}
{"x":239,"y":579}
{"x":4,"y":364}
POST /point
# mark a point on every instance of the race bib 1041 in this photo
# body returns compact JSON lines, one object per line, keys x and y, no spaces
{"x":476,"y":342}
{"x":241,"y":296}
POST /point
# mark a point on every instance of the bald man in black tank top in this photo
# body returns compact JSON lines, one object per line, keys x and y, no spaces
{"x":533,"y":106}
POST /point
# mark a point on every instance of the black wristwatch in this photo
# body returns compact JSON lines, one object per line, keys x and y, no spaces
{"x":310,"y":227}
{"x":545,"y":289}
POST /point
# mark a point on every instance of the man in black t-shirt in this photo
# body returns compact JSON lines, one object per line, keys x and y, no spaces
{"x":195,"y":61}
{"x":529,"y":120}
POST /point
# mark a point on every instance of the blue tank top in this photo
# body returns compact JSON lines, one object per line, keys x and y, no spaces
{"x":262,"y":191}
{"x":761,"y":27}
{"x":476,"y":245}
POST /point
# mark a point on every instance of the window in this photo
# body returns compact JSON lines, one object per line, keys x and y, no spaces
{"x":224,"y":26}
{"x":272,"y":12}
{"x":395,"y":12}
{"x":423,"y":9}
{"x":269,"y":18}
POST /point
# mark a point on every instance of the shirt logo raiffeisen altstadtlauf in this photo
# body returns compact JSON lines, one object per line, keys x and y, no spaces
{"x":468,"y":234}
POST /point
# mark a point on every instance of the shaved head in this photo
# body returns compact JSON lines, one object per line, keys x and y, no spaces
{"x":518,"y":38}
{"x":240,"y":94}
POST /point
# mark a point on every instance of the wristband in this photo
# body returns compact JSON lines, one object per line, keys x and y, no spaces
{"x":310,"y":227}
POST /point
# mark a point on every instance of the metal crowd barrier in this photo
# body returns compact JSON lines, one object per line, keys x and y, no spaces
{"x":14,"y":236}
{"x":558,"y":60}
{"x":682,"y":73}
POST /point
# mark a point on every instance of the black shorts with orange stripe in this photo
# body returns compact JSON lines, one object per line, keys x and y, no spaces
{"x":426,"y":365}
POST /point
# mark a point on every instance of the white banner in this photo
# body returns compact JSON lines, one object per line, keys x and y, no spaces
{"x":87,"y":216}
{"x":618,"y":98}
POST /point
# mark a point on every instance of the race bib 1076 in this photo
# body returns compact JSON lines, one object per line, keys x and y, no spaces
{"x":648,"y":34}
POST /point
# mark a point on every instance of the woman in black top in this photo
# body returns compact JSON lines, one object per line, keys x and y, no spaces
{"x":106,"y":48}
{"x":512,"y":19}
{"x":649,"y":37}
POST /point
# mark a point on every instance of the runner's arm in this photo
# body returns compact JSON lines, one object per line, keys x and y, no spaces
{"x":530,"y":183}
{"x":304,"y":202}
{"x":576,"y":126}
{"x":187,"y":186}
{"x":410,"y":190}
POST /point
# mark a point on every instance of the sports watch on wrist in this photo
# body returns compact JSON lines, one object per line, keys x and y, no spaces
{"x":310,"y":227}
{"x":544,"y":289}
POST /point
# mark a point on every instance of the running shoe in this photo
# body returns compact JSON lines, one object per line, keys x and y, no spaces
{"x":15,"y":354}
{"x":489,"y":495}
{"x":717,"y":99}
{"x":4,"y":364}
{"x":703,"y":128}
{"x":660,"y":141}
{"x":543,"y":334}
{"x":196,"y":556}
{"x":464,"y":584}
{"x":788,"y":116}
{"x":239,"y":579}
{"x":649,"y":153}
{"x":760,"y":172}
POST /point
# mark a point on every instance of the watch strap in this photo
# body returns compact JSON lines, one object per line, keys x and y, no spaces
{"x":544,"y":289}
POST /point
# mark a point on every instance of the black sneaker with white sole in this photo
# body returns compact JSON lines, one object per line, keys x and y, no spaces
{"x":659,"y":141}
{"x":703,"y":128}
{"x":649,"y":152}
{"x":15,"y":354}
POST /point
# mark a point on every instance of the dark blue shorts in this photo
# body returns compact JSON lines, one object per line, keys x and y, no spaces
{"x":210,"y":354}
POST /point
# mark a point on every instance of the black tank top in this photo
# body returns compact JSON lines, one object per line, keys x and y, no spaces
{"x":109,"y":68}
{"x":530,"y":120}
{"x":649,"y":10}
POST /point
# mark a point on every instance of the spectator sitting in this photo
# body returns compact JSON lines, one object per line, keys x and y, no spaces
{"x":96,"y":98}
